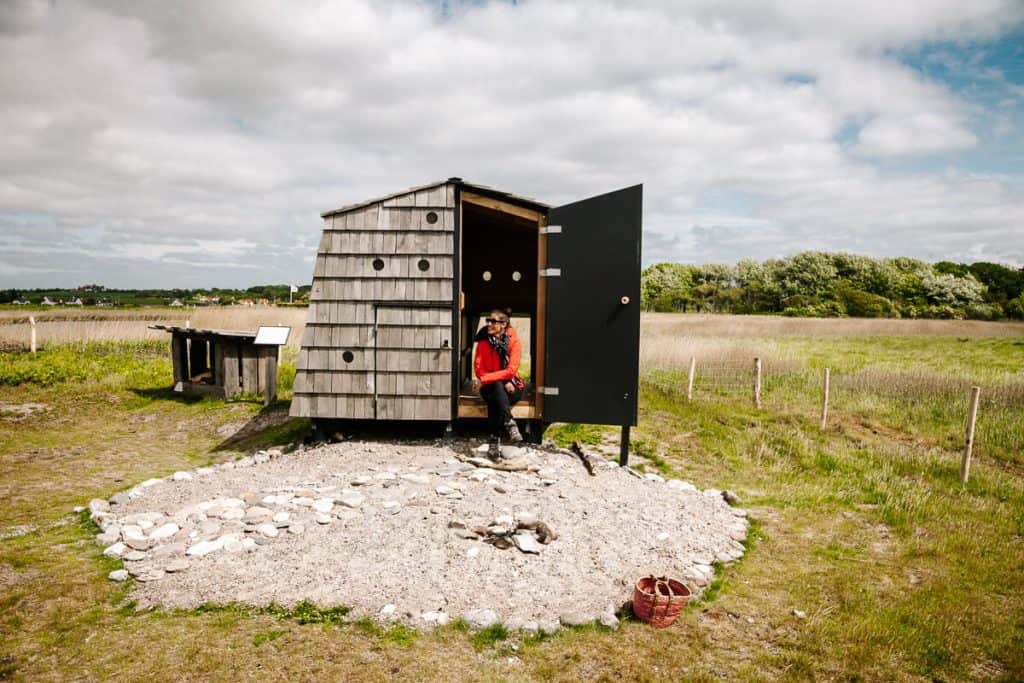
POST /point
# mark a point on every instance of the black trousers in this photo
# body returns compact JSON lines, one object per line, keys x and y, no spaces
{"x":499,"y":404}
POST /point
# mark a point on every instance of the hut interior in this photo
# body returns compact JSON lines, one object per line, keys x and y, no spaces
{"x":500,"y":254}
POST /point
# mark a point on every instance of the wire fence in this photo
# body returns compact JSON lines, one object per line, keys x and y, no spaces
{"x":967,"y":414}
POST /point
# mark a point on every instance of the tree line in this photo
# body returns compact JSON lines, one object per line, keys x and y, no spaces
{"x":92,"y":295}
{"x":825,"y":284}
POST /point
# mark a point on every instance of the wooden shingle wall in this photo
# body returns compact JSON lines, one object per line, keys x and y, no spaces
{"x":378,"y":335}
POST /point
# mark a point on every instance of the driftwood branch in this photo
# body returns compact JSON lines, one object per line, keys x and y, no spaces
{"x":508,"y":466}
{"x":577,"y":450}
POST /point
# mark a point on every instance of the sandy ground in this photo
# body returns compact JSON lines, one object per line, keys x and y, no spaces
{"x":390,"y":541}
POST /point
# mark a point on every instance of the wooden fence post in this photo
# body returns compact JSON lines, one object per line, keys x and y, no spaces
{"x":972,"y":416}
{"x":689,"y":381}
{"x":824,"y":405}
{"x":757,"y":382}
{"x":32,"y":322}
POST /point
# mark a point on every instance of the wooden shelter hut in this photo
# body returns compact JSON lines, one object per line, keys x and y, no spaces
{"x":401,"y":283}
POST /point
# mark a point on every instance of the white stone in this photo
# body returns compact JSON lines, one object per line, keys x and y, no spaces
{"x":351,"y":499}
{"x":98,"y":505}
{"x":303,"y":501}
{"x":362,"y":481}
{"x":444,"y":490}
{"x":384,"y":476}
{"x":650,"y":476}
{"x":321,"y":518}
{"x":387,"y":611}
{"x":525,"y":517}
{"x":209,"y":528}
{"x":416,"y":479}
{"x":257,"y":514}
{"x":131,"y":531}
{"x":530,"y":627}
{"x":473,"y":552}
{"x":181,"y":476}
{"x":267,"y":530}
{"x":232,"y":543}
{"x":178,"y":565}
{"x":232,"y":513}
{"x":480,"y":618}
{"x":504,"y":520}
{"x":150,"y":482}
{"x":116,"y":550}
{"x":118,"y":575}
{"x":249,"y":544}
{"x":165,"y":531}
{"x":548,"y":627}
{"x":608,"y":620}
{"x":111,"y":535}
{"x":281,"y":516}
{"x":527,"y":543}
{"x":681,"y":485}
{"x":663,"y":536}
{"x":203,"y":471}
{"x":325,"y":504}
{"x":203,"y":548}
{"x":296,"y":529}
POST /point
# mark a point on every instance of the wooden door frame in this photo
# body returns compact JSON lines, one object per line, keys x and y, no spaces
{"x":540,"y":307}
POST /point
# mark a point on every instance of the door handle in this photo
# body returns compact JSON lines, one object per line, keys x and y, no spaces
{"x":624,"y":300}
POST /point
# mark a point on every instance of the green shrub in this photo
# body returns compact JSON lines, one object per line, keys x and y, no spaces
{"x":861,"y":304}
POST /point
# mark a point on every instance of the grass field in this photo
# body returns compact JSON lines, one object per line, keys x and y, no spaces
{"x":868,"y":559}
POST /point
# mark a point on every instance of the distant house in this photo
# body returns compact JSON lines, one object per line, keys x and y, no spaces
{"x":48,"y":302}
{"x":203,"y":299}
{"x":176,"y":303}
{"x":105,"y":303}
{"x":75,"y":302}
{"x":21,"y":302}
{"x":245,"y":302}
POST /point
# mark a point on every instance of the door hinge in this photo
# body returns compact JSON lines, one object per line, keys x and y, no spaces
{"x":551,"y":230}
{"x":550,"y":272}
{"x":548,"y":391}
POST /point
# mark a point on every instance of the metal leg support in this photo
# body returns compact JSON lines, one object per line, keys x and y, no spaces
{"x":624,"y":446}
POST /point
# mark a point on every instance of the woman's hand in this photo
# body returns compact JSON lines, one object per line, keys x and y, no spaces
{"x":476,"y":386}
{"x":509,"y":387}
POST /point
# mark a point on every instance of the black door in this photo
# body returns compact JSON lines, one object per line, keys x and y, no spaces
{"x":592,"y":339}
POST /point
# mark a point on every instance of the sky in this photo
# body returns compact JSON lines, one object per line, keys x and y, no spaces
{"x":194,"y":144}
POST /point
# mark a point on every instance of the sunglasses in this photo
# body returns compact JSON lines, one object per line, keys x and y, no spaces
{"x":493,"y":321}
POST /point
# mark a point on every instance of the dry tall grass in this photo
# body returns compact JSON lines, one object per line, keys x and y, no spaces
{"x":62,"y":326}
{"x":701,"y":325}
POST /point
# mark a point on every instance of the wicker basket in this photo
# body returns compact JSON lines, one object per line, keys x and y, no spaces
{"x":658,"y":600}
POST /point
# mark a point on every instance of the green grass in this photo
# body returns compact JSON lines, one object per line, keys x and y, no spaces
{"x":903,"y":572}
{"x":563,"y":434}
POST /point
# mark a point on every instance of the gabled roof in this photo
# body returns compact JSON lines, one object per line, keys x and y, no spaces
{"x":482,"y":189}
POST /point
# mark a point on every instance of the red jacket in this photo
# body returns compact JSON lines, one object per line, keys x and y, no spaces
{"x":488,"y":365}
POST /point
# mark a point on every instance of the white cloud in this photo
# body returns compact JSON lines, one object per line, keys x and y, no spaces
{"x":137,"y":128}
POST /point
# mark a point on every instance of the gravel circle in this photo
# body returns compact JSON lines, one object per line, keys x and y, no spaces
{"x":387,"y":529}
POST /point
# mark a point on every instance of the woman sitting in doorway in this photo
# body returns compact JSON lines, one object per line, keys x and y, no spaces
{"x":497,"y":366}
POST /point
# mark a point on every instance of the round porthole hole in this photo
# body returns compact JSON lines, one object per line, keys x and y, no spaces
{"x":348,"y":357}
{"x":487,"y":276}
{"x":378,"y":264}
{"x":516,"y":276}
{"x":423,"y":265}
{"x":431,"y":217}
